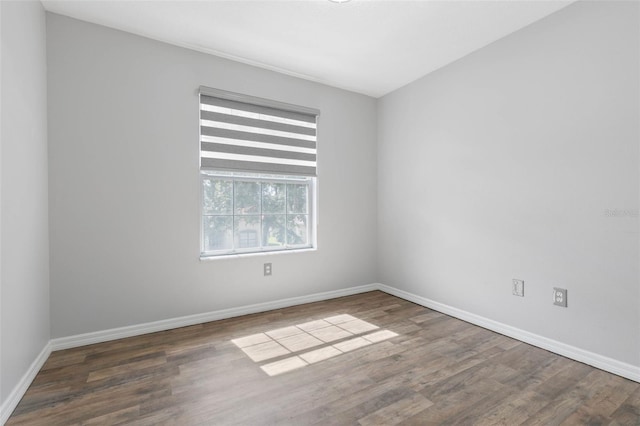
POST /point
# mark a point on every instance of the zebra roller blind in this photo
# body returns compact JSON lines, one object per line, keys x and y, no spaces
{"x":242,"y":133}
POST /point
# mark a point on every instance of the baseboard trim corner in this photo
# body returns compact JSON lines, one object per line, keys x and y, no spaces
{"x":19,"y":390}
{"x":610,"y":365}
{"x":168,"y":324}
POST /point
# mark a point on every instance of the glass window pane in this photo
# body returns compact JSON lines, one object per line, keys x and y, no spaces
{"x":217,"y":233}
{"x":247,"y":198}
{"x":239,"y":213}
{"x":297,"y":198}
{"x":218,"y":196}
{"x":273,"y":197}
{"x":297,"y":229}
{"x":247,"y":231}
{"x":273,"y":230}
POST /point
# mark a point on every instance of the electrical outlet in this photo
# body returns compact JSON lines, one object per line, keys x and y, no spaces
{"x":560,"y":297}
{"x":267,"y":269}
{"x":518,"y":288}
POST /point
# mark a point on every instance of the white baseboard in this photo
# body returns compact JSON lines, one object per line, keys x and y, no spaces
{"x":610,"y":365}
{"x":19,"y":390}
{"x":152,"y":327}
{"x":599,"y":361}
{"x":602,"y":362}
{"x":7,"y":406}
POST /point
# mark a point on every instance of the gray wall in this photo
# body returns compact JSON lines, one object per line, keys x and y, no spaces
{"x":124,"y":183}
{"x":24,"y":264}
{"x":503,"y":165}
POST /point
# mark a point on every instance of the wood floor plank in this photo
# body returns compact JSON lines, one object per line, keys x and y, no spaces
{"x":129,"y":367}
{"x":375,"y":401}
{"x":555,"y":412}
{"x":629,"y":411}
{"x":114,"y":417}
{"x":397,"y":412}
{"x":514,"y":409}
{"x":606,"y":396}
{"x":347,"y":406}
{"x":421,"y":368}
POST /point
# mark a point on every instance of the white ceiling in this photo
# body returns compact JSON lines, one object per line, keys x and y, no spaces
{"x":367,"y":46}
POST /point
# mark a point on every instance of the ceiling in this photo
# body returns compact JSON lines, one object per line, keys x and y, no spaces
{"x":367,"y":46}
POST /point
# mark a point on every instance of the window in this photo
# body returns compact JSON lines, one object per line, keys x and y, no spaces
{"x":249,"y":213}
{"x":258,"y":171}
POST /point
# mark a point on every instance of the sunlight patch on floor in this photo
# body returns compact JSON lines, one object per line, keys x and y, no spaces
{"x":348,"y":333}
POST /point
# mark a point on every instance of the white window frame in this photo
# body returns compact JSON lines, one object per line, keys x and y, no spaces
{"x":259,"y":177}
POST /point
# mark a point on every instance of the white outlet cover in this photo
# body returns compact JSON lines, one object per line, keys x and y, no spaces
{"x":518,"y":288}
{"x":560,"y":297}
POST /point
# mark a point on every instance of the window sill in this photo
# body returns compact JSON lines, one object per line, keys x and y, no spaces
{"x":265,"y":253}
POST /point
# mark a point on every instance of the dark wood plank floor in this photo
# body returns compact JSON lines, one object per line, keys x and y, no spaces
{"x":436,"y":370}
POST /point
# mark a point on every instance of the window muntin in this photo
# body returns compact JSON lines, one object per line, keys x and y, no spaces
{"x":254,"y":213}
{"x":258,"y":168}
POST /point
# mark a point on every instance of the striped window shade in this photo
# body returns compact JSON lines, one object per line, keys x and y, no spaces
{"x":248,"y":134}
